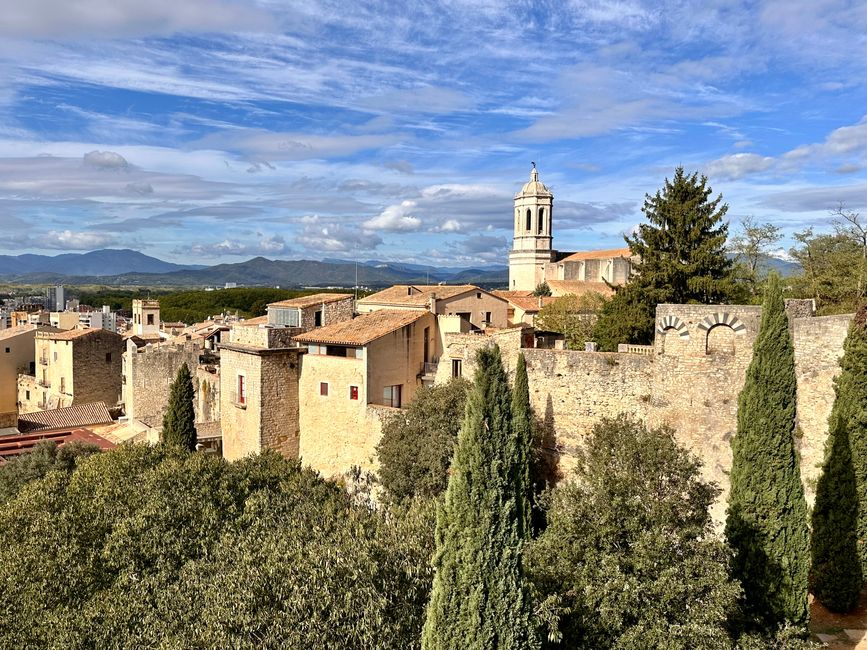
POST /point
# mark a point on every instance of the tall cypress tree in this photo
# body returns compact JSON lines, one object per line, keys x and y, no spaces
{"x":478,"y":600}
{"x":179,"y":422}
{"x":767,"y":512}
{"x":835,"y":576}
{"x":681,"y":258}
{"x":522,"y":427}
{"x":849,"y":408}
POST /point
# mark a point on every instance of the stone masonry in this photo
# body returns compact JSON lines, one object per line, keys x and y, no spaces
{"x":691,"y":382}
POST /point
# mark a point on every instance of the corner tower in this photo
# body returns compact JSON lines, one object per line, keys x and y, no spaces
{"x":531,"y":246}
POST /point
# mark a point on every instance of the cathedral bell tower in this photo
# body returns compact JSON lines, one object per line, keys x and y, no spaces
{"x":531,"y":246}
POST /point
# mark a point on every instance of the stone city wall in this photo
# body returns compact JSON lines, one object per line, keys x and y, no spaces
{"x":148,"y":375}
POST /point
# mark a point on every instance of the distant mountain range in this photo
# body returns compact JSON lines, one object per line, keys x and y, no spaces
{"x":128,"y":267}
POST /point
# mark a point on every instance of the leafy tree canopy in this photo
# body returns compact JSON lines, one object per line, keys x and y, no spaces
{"x":629,"y":557}
{"x":418,"y":442}
{"x":156,"y":547}
{"x":43,"y":458}
{"x":573,"y":316}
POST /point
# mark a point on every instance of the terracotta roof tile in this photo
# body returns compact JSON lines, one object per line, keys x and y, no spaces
{"x":525,"y":300}
{"x":10,"y":332}
{"x":14,"y":445}
{"x":416,"y":295}
{"x":362,"y":329}
{"x":309,"y":301}
{"x":79,"y":415}
{"x":71,"y":335}
{"x":252,"y":322}
{"x":578,"y":287}
{"x":597,"y":255}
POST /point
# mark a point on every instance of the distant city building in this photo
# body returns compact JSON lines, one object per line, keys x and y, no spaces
{"x":54,"y":300}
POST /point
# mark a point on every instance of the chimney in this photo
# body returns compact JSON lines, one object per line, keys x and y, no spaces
{"x":432,"y":302}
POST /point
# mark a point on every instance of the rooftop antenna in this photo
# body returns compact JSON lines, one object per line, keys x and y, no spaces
{"x":356,"y":275}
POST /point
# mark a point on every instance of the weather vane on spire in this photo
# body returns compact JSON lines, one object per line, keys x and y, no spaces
{"x":533,"y":163}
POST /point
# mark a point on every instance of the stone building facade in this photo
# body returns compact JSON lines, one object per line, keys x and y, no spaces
{"x":354,"y":374}
{"x":148,"y":373}
{"x":73,"y":367}
{"x":16,"y":358}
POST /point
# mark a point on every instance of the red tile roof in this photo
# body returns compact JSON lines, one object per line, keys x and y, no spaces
{"x":68,"y":417}
{"x":416,"y":295}
{"x":598,"y":255}
{"x":310,"y":301}
{"x":578,"y":287}
{"x":362,"y":329}
{"x":525,"y":300}
{"x":15,"y":445}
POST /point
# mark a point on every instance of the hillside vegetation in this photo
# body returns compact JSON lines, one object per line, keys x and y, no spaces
{"x":192,"y":306}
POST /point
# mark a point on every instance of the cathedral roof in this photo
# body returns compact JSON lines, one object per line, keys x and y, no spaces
{"x":534,"y":187}
{"x":598,"y":255}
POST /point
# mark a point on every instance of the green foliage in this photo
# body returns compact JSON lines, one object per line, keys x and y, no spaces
{"x":45,"y":457}
{"x":418,"y":442}
{"x":179,"y":422}
{"x":478,"y":599}
{"x":193,"y":306}
{"x":750,"y":245}
{"x":681,"y":259}
{"x":830,"y":276}
{"x":629,"y":555}
{"x":835,"y":576}
{"x":542,"y":290}
{"x":849,"y":415}
{"x":573,"y":316}
{"x":767,"y":512}
{"x":522,"y":440}
{"x":155,"y":547}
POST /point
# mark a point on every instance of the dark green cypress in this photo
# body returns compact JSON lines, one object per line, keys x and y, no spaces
{"x":835,"y":576}
{"x":479,"y":600}
{"x":851,"y":398}
{"x":767,"y":512}
{"x":179,"y":422}
{"x":522,"y":436}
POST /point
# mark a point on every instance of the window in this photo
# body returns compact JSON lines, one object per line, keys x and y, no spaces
{"x":317,"y":318}
{"x":323,"y":388}
{"x":27,"y":394}
{"x":55,"y":355}
{"x":63,"y":384}
{"x":150,"y":319}
{"x":353,"y":392}
{"x":108,"y":357}
{"x":242,"y":389}
{"x":487,"y":317}
{"x":478,"y":295}
{"x":8,"y":350}
{"x":529,"y":219}
{"x":391,"y":396}
{"x":541,"y":219}
{"x":457,"y":368}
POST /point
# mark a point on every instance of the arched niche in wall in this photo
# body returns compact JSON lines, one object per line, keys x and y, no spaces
{"x":722,"y":329}
{"x":675,"y":335}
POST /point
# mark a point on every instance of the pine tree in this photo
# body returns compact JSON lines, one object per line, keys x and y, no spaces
{"x":767,"y":512}
{"x":851,"y":400}
{"x":681,"y":258}
{"x":478,"y":600}
{"x":835,"y":576}
{"x":179,"y":422}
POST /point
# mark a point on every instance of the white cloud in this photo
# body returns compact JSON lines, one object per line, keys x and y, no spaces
{"x":69,"y":240}
{"x":266,"y":245}
{"x":105,"y":160}
{"x":62,"y":19}
{"x":395,"y":218}
{"x":737,"y":166}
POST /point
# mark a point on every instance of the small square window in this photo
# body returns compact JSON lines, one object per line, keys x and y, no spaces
{"x":8,"y":350}
{"x":108,"y":357}
{"x":323,"y":388}
{"x":353,"y":392}
{"x":27,"y":394}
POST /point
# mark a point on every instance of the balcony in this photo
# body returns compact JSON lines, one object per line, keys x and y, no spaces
{"x":45,"y":383}
{"x":429,"y":371}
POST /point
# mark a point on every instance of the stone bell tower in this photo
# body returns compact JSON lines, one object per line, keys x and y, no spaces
{"x":531,"y":246}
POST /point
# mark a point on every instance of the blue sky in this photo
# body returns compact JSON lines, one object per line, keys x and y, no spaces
{"x":212,"y":131}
